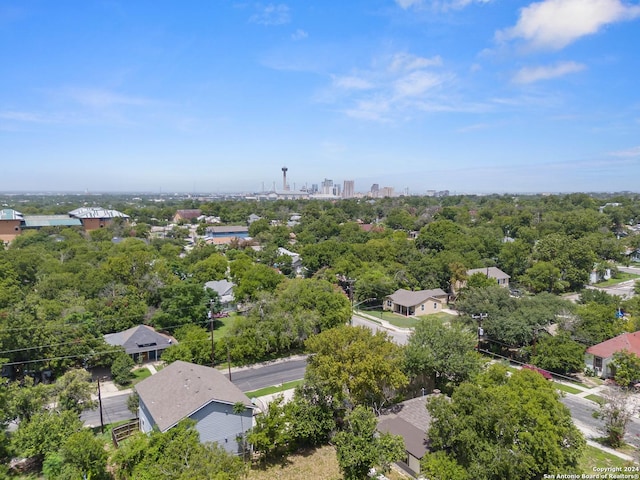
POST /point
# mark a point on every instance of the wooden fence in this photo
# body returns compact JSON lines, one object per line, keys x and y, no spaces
{"x":124,"y":431}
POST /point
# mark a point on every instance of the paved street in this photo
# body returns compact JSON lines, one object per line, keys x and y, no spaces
{"x":114,"y":409}
{"x":266,"y":375}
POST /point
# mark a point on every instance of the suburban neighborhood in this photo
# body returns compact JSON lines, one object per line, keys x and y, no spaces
{"x":265,"y":338}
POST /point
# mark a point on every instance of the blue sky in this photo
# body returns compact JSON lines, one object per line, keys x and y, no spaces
{"x":472,"y":96}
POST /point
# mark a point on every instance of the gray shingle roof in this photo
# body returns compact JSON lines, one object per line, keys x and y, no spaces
{"x":407,"y":298}
{"x":183,"y":388}
{"x":491,"y":272}
{"x":141,"y":338}
{"x":411,"y":420}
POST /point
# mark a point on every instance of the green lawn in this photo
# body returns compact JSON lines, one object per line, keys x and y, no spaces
{"x":619,"y":278}
{"x":595,"y":398}
{"x":595,"y":458}
{"x":222,"y":325}
{"x":274,"y":389}
{"x":139,"y":374}
{"x":410,"y":322}
{"x":566,"y":388}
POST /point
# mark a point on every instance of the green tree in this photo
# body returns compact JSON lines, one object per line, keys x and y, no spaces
{"x":626,"y":367}
{"x":438,"y":355}
{"x":440,"y":466}
{"x":74,"y":390}
{"x":45,"y":432}
{"x":355,"y":366}
{"x":558,"y":354}
{"x":121,"y":369}
{"x":81,"y":456}
{"x":360,"y":447}
{"x":502,"y":427}
{"x":615,"y":411}
{"x":271,"y":435}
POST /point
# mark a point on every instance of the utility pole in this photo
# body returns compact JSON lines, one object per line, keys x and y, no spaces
{"x":100,"y":406}
{"x":229,"y":361}
{"x":213,"y":348}
{"x":480,"y":317}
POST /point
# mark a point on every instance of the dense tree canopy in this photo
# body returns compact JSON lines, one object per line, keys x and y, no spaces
{"x":506,"y":427}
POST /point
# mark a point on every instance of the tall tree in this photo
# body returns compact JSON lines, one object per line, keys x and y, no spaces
{"x":360,"y":447}
{"x":502,"y":427}
{"x":441,"y":355}
{"x":355,"y":366}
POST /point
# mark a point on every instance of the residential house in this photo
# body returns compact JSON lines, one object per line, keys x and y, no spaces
{"x":598,"y":357}
{"x":410,"y":420}
{"x":187,"y":215}
{"x":224,"y":288}
{"x":142,"y":342}
{"x":296,"y":260}
{"x":632,"y":254}
{"x":253,"y":218}
{"x":203,"y":394}
{"x":495,"y":273}
{"x":422,"y":302}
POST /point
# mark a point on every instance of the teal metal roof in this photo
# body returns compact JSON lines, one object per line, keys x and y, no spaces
{"x":35,"y":221}
{"x":10,"y":214}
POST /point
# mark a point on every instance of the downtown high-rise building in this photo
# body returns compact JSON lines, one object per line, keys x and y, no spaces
{"x":348,"y":189}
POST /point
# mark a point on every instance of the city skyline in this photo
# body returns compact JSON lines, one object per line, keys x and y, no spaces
{"x":470,"y":96}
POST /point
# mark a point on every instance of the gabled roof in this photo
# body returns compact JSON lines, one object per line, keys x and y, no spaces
{"x":407,"y":298}
{"x":411,"y":420}
{"x":490,"y":272}
{"x":96,"y":212}
{"x":188,"y":214}
{"x":182,"y":388}
{"x":141,"y":338}
{"x":627,"y":341}
{"x":222,"y":287}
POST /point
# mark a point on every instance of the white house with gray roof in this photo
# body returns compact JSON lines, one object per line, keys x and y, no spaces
{"x":421,"y":302}
{"x":185,"y":390}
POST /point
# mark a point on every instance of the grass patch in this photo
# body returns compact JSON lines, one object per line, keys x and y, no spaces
{"x":566,"y":388}
{"x":274,"y":389}
{"x":222,"y":325}
{"x":139,"y":374}
{"x":595,"y":398}
{"x":409,"y":322}
{"x":317,"y":464}
{"x":595,"y":458}
{"x":619,"y":278}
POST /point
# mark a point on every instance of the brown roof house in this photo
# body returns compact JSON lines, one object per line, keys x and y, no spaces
{"x":142,"y":342}
{"x":187,"y":215}
{"x":599,"y":357}
{"x":498,"y":275}
{"x":421,"y":302}
{"x":411,"y":420}
{"x":185,"y":390}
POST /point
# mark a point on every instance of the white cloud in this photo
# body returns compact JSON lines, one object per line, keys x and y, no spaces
{"x":299,"y":34}
{"x":438,"y":5}
{"x":394,"y":88}
{"x":554,"y":24}
{"x":417,"y":83}
{"x":408,"y":62}
{"x":18,"y":116}
{"x":404,"y":4}
{"x":535,"y":74}
{"x":352,"y":83}
{"x":101,"y":99}
{"x":628,"y":153}
{"x":271,"y":15}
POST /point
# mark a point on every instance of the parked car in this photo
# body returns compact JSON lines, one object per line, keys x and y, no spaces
{"x":541,"y":371}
